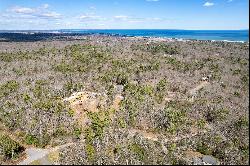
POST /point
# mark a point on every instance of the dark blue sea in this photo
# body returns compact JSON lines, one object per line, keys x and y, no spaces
{"x":228,"y":35}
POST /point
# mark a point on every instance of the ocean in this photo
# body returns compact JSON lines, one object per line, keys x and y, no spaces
{"x":217,"y":35}
{"x":221,"y":35}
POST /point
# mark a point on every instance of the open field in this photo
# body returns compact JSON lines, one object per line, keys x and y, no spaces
{"x":139,"y":100}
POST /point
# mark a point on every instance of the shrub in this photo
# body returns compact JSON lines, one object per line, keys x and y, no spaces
{"x":77,"y":132}
{"x":237,"y":94}
{"x":201,"y":123}
{"x":6,"y":57}
{"x":98,"y":123}
{"x":18,"y":56}
{"x":9,"y":87}
{"x":203,"y":148}
{"x":122,"y":123}
{"x":172,"y":147}
{"x":26,"y":98}
{"x":50,"y":104}
{"x":161,"y":85}
{"x":73,"y":87}
{"x":216,"y":115}
{"x":64,"y":67}
{"x":138,"y":150}
{"x":9,"y":147}
{"x":236,"y":72}
{"x":122,"y":79}
{"x":174,"y":119}
{"x":31,"y":140}
{"x":241,"y":122}
{"x":90,"y":151}
{"x":245,"y":79}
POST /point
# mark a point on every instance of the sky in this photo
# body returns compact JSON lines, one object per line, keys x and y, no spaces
{"x":124,"y":14}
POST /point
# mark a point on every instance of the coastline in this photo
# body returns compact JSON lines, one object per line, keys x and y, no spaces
{"x":185,"y":40}
{"x":59,"y":33}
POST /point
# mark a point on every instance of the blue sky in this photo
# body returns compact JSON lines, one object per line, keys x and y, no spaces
{"x":124,"y":14}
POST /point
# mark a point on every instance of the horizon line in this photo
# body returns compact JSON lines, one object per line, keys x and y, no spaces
{"x":122,"y":29}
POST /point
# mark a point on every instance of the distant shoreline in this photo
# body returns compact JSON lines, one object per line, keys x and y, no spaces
{"x":43,"y":35}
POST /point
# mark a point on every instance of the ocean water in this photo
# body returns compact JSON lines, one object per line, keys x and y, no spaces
{"x":228,"y":35}
{"x":217,"y":35}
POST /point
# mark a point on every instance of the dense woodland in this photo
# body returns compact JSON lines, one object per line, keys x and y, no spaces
{"x":181,"y":100}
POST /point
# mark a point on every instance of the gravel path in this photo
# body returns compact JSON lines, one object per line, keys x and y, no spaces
{"x":34,"y":154}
